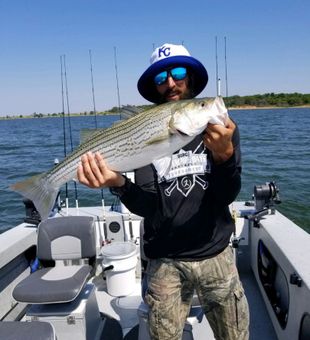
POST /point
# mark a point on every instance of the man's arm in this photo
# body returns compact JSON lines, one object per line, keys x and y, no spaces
{"x":224,"y":144}
{"x":139,"y":199}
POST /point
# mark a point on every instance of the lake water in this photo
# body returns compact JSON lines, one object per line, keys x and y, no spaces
{"x":275,"y":146}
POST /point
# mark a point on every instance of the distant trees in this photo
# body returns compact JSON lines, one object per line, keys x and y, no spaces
{"x":37,"y":115}
{"x":256,"y":100}
{"x":269,"y":99}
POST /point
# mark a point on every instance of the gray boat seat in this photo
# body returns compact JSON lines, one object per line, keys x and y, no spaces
{"x":34,"y":330}
{"x":65,"y":240}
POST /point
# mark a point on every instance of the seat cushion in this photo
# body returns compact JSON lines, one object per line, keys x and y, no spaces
{"x":35,"y":330}
{"x":52,"y":285}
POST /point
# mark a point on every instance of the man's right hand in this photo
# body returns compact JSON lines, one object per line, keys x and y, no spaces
{"x":94,"y":173}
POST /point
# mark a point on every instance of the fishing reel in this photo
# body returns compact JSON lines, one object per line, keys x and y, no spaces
{"x":266,"y":196}
{"x":32,"y":214}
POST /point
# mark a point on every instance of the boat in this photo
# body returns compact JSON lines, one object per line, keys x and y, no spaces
{"x":106,"y":301}
{"x":79,"y":274}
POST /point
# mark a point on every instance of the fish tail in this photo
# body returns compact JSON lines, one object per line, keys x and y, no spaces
{"x":40,"y":191}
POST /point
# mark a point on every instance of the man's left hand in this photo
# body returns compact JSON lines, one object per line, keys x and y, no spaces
{"x":218,"y":139}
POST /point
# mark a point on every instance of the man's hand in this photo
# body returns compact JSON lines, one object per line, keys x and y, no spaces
{"x":218,"y":139}
{"x":94,"y":173}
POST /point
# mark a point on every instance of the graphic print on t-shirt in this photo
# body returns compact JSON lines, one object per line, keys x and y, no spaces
{"x":183,"y":171}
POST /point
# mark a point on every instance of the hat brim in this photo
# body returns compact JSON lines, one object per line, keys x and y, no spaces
{"x":147,"y":87}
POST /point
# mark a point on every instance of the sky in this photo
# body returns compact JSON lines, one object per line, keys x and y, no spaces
{"x":267,"y":44}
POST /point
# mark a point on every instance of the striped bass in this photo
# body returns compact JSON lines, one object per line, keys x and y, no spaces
{"x":129,"y":144}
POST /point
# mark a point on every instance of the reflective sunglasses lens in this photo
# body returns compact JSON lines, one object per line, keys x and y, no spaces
{"x":178,"y":73}
{"x":161,"y":78}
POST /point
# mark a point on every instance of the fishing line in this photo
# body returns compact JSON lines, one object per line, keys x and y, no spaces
{"x":93,"y":87}
{"x":117,"y":84}
{"x":96,"y":125}
{"x":119,"y":111}
{"x":217,"y":69}
{"x":70,"y":129}
{"x":64,"y":124}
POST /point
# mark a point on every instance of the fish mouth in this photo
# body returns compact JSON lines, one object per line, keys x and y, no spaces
{"x":181,"y":133}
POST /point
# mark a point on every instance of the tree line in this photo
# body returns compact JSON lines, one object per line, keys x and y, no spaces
{"x":269,"y":99}
{"x":256,"y":100}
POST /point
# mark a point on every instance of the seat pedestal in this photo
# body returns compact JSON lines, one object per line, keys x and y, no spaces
{"x":78,"y":320}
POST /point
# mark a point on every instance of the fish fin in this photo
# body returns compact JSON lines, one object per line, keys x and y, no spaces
{"x":87,"y":134}
{"x":40,"y":191}
{"x":157,"y":139}
{"x":128,"y":111}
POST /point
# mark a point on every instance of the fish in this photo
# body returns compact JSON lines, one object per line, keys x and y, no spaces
{"x":129,"y":144}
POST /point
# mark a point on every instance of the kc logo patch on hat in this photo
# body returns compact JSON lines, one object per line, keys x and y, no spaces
{"x":164,"y":50}
{"x":168,"y":50}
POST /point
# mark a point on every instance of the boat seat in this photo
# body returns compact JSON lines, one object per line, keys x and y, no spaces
{"x":67,"y":241}
{"x":34,"y":330}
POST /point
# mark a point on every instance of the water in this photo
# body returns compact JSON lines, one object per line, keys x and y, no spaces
{"x":275,"y":146}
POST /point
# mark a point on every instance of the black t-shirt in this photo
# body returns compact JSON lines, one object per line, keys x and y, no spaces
{"x":184,"y":201}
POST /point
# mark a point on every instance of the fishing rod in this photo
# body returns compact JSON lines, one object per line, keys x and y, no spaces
{"x":70,"y":129}
{"x":119,"y":111}
{"x":96,"y":125}
{"x":235,"y":239}
{"x":64,"y":125}
{"x":218,"y":91}
{"x":226,"y":82}
{"x":92,"y":87}
{"x":117,"y":84}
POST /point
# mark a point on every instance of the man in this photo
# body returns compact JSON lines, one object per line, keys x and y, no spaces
{"x":187,"y":223}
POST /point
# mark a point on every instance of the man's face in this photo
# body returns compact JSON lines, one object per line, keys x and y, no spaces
{"x":172,"y":90}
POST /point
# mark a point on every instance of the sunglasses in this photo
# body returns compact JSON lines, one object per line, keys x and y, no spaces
{"x":177,"y":73}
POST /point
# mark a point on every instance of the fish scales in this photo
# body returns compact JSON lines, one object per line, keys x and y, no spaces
{"x":115,"y":143}
{"x":115,"y":140}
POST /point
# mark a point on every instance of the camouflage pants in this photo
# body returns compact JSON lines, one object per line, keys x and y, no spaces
{"x":171,"y":285}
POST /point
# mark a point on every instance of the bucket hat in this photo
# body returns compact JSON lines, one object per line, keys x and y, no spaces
{"x":165,"y":57}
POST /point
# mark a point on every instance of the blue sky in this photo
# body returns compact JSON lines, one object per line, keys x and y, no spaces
{"x":268,"y":47}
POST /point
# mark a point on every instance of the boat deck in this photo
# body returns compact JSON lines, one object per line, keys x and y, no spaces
{"x":261,"y":327}
{"x":124,"y":310}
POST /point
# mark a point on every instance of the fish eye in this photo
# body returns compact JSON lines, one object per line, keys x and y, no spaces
{"x":202,"y":104}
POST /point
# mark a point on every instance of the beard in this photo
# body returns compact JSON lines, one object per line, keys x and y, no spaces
{"x":187,"y":94}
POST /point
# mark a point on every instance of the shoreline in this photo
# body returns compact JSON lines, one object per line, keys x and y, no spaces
{"x":250,"y":107}
{"x":243,"y":107}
